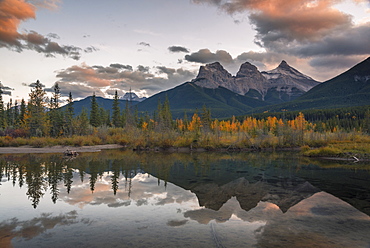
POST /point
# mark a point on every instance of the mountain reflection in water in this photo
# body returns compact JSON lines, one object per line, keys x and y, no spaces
{"x":250,"y":199}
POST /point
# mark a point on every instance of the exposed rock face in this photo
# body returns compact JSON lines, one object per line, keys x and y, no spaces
{"x":284,"y":83}
{"x":288,"y":80}
{"x":212,"y":76}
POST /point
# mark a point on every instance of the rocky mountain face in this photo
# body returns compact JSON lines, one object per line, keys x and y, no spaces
{"x":281,"y":84}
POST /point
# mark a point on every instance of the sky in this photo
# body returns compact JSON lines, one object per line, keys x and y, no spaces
{"x":153,"y":45}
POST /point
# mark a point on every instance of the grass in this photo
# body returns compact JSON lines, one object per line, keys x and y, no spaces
{"x":346,"y":149}
{"x":312,"y":144}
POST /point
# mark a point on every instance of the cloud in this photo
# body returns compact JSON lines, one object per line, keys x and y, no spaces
{"x":47,"y":4}
{"x":354,"y":41}
{"x":178,"y":49}
{"x":176,"y":223}
{"x":13,"y":12}
{"x":206,"y":56}
{"x":83,"y":79}
{"x":333,"y":62}
{"x":6,"y":90}
{"x":120,"y":66}
{"x":306,"y":33}
{"x":90,"y":49}
{"x":28,"y":229}
{"x":144,"y":44}
{"x":289,"y":27}
{"x":303,"y":28}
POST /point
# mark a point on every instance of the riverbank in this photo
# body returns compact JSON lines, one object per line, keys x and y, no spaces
{"x":57,"y":149}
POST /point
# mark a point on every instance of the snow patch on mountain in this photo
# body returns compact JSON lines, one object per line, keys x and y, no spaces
{"x":362,"y":78}
{"x":131,"y":96}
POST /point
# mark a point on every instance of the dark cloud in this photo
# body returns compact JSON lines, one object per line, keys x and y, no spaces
{"x":90,"y":49}
{"x":333,"y":62}
{"x":13,"y":12}
{"x":54,"y":36}
{"x":3,"y":87}
{"x":119,"y":204}
{"x":144,"y":44}
{"x":168,"y":71}
{"x":120,"y":66}
{"x":178,"y":49}
{"x":354,"y":41}
{"x":142,"y":68}
{"x":78,"y":90}
{"x":6,"y":90}
{"x":206,"y":56}
{"x":176,"y":223}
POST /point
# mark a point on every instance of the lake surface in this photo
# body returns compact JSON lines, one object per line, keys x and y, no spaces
{"x":125,"y":199}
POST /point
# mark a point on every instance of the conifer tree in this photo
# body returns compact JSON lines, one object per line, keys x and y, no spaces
{"x":166,"y":113}
{"x":94,"y":112}
{"x":22,"y":114}
{"x":9,"y":114}
{"x":127,"y":115}
{"x":116,"y":112}
{"x":69,"y":115}
{"x":55,"y":115}
{"x":16,"y":114}
{"x":2,"y":111}
{"x":36,"y":109}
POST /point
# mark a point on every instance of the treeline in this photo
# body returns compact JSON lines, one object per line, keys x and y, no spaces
{"x":44,"y":118}
{"x":348,"y":119}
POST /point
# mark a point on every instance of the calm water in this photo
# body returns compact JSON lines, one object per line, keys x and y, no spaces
{"x":126,"y":199}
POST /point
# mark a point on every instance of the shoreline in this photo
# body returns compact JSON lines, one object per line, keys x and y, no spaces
{"x":97,"y":148}
{"x":57,"y":149}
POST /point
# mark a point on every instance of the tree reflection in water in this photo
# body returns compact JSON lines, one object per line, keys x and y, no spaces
{"x":282,"y":179}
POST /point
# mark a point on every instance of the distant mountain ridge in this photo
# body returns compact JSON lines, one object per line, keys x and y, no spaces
{"x":281,"y":84}
{"x":351,"y":88}
{"x":104,"y":103}
{"x":190,"y":98}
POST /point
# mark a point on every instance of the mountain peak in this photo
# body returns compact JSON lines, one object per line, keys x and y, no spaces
{"x":131,"y":96}
{"x":213,"y":72}
{"x":284,"y":65}
{"x":246,"y":69}
{"x":215,"y":66}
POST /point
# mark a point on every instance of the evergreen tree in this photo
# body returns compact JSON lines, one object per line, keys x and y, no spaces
{"x":2,"y":111}
{"x":166,"y":114}
{"x":366,"y":122}
{"x":16,"y":114}
{"x":69,"y":115}
{"x":9,"y":114}
{"x":127,"y":115}
{"x":116,"y":112}
{"x":36,"y":109}
{"x":55,"y":114}
{"x":22,"y":114}
{"x":94,"y":112}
